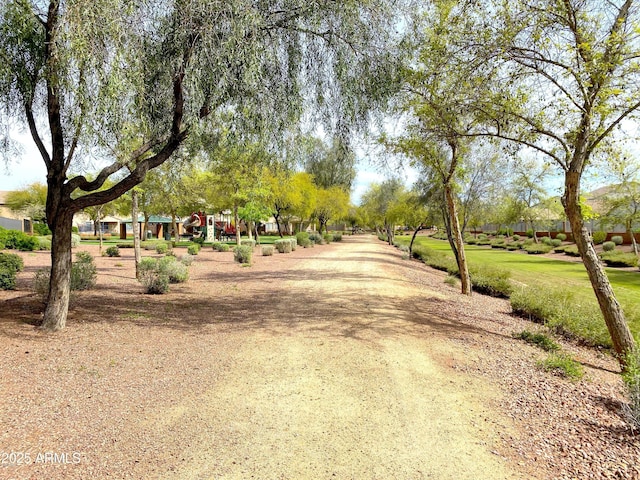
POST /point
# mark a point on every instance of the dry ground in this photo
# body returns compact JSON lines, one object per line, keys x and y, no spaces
{"x":338,"y":361}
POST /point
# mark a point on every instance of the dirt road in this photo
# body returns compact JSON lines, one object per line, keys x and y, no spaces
{"x":328,"y":364}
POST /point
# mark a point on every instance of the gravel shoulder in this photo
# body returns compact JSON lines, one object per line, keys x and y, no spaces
{"x":338,"y":361}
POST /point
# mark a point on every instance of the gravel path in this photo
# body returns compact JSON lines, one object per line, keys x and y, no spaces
{"x":340,"y":361}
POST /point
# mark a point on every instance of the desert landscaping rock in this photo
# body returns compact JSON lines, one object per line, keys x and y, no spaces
{"x":338,"y":361}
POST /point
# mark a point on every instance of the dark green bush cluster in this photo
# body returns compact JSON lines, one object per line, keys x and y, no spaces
{"x":608,"y":246}
{"x":529,"y":233}
{"x":199,"y":241}
{"x":16,"y":240}
{"x":599,"y":237}
{"x":539,"y":339}
{"x":41,"y":229}
{"x":303,"y":239}
{"x":244,"y":253}
{"x":10,"y":265}
{"x":619,"y":259}
{"x":220,"y":247}
{"x":559,"y":310}
{"x":112,"y":251}
{"x":193,"y":249}
{"x":514,"y":246}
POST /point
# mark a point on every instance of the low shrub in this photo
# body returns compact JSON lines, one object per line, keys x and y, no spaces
{"x":516,"y":238}
{"x":187,"y":259}
{"x":539,"y":339}
{"x":44,"y":243}
{"x":529,"y":233}
{"x":608,"y":246}
{"x":83,"y":272}
{"x":16,"y":240}
{"x":563,"y":365}
{"x":491,"y":281}
{"x":558,"y":309}
{"x":199,"y":241}
{"x":193,"y":249}
{"x":251,"y":243}
{"x":267,"y":250}
{"x":556,"y":242}
{"x":303,"y":239}
{"x":125,"y":245}
{"x":162,"y":248}
{"x":514,"y":246}
{"x":631,"y":377}
{"x":315,"y":237}
{"x":452,"y":280}
{"x":337,"y":237}
{"x":220,"y":247}
{"x":40,"y":284}
{"x":244,"y":253}
{"x":12,"y":261}
{"x":482,"y":242}
{"x":617,"y":239}
{"x":177,"y":272}
{"x":149,"y":244}
{"x":599,"y":237}
{"x":112,"y":251}
{"x":153,"y":279}
{"x":619,"y":259}
{"x":471,"y":240}
{"x":7,"y":278}
{"x":75,"y":240}
{"x":435,"y":259}
{"x":283,"y":245}
{"x":328,"y":237}
{"x":538,"y":249}
{"x":545,"y":240}
{"x":483,"y":236}
{"x":561,"y":236}
{"x":42,"y":229}
{"x":571,"y":250}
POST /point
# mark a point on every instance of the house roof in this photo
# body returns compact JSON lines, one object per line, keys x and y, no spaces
{"x":152,"y":219}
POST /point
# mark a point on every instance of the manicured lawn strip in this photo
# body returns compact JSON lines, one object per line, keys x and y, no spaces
{"x":535,"y":269}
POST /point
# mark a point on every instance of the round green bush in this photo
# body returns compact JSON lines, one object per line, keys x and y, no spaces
{"x":187,"y":259}
{"x":283,"y":245}
{"x":516,"y":238}
{"x":561,"y":236}
{"x":599,"y":237}
{"x":112,"y":251}
{"x":617,"y":239}
{"x":556,"y":242}
{"x":545,"y":240}
{"x":267,"y":250}
{"x":12,"y":261}
{"x":243,"y":254}
{"x":608,"y":246}
{"x":251,"y":243}
{"x":193,"y":249}
{"x":7,"y":278}
{"x":529,"y":233}
{"x":162,"y":248}
{"x":220,"y":247}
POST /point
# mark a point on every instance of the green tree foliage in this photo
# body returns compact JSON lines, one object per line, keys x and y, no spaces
{"x":332,"y":205}
{"x":30,"y":201}
{"x":79,"y":83}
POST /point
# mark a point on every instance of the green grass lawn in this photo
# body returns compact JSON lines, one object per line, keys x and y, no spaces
{"x":540,"y":270}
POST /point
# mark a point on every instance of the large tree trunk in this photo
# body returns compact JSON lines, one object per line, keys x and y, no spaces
{"x":456,"y":234}
{"x":55,"y":313}
{"x":621,"y":336}
{"x":136,"y":231}
{"x":413,"y":238}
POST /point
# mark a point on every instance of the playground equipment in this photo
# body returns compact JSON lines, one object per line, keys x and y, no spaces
{"x":201,"y":225}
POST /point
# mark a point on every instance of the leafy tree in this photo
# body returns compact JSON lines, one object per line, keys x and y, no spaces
{"x":570,"y":75}
{"x":332,"y":205}
{"x":30,"y":201}
{"x":385,"y":205}
{"x":331,"y":166}
{"x":79,"y":82}
{"x":528,"y":192}
{"x":293,"y":194}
